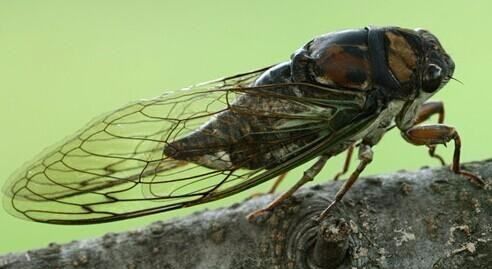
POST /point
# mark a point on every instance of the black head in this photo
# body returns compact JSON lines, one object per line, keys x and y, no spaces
{"x":417,"y":58}
{"x":437,"y":66}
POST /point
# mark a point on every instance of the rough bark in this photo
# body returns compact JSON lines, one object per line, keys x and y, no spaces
{"x":425,"y":219}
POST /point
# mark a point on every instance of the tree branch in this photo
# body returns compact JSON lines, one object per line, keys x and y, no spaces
{"x":423,"y":219}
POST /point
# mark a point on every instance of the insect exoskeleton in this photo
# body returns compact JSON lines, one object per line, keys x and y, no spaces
{"x":216,"y":139}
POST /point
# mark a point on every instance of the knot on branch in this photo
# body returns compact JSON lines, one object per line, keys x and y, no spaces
{"x":300,"y":241}
{"x":332,"y":243}
{"x":314,"y":245}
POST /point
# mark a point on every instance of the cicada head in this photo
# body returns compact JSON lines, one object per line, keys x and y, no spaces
{"x":438,"y":67}
{"x":417,"y":58}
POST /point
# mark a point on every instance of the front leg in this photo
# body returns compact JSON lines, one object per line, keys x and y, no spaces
{"x":427,"y":110}
{"x":432,"y":135}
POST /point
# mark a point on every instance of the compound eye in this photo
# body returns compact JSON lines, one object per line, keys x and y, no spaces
{"x":432,"y":78}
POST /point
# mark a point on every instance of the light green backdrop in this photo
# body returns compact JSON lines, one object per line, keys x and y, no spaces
{"x":64,"y":62}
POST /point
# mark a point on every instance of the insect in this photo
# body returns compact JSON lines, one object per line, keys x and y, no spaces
{"x":219,"y":138}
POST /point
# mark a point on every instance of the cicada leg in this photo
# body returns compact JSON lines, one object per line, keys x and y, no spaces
{"x":431,"y":135}
{"x":274,"y":186}
{"x":346,"y":164}
{"x":426,"y":111}
{"x":277,"y":183}
{"x":308,"y":176}
{"x":365,"y":157}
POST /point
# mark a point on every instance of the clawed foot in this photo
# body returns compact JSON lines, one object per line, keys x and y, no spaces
{"x":476,"y":179}
{"x":259,"y":216}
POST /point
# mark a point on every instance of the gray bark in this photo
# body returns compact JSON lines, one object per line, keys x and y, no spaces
{"x":425,"y":219}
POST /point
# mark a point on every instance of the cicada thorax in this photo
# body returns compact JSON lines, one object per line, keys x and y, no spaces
{"x":339,"y":60}
{"x":402,"y":57}
{"x":362,"y":59}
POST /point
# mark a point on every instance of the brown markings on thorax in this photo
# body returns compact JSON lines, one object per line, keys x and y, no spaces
{"x":345,"y":66}
{"x":401,"y":57}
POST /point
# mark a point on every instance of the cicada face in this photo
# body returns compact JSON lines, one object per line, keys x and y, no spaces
{"x":418,"y":60}
{"x":438,"y":65}
{"x":420,"y":64}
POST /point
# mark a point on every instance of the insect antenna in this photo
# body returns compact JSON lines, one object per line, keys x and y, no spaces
{"x":455,"y":79}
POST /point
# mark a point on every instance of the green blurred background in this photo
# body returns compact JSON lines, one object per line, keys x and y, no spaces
{"x":64,"y":62}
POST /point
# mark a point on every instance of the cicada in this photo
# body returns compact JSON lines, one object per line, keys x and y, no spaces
{"x":216,"y":139}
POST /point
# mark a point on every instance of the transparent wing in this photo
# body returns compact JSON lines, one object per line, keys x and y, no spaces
{"x":115,"y":168}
